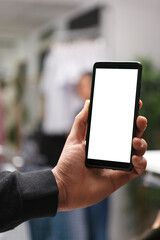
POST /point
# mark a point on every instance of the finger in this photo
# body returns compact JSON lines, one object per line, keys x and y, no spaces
{"x":80,"y":123}
{"x":140,"y":146}
{"x":141,"y":125}
{"x":139,"y":163}
{"x":140,"y":104}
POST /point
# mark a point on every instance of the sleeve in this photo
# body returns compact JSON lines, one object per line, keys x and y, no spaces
{"x":24,"y":196}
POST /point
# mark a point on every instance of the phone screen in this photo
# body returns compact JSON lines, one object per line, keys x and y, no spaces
{"x":112,"y":116}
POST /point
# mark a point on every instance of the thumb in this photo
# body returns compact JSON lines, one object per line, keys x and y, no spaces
{"x":80,"y":124}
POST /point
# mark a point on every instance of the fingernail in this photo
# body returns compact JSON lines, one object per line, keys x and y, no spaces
{"x":86,"y":104}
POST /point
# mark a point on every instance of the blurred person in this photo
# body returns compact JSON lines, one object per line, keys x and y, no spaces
{"x":60,"y":100}
{"x":84,"y":86}
{"x":97,"y":230}
{"x":25,"y":196}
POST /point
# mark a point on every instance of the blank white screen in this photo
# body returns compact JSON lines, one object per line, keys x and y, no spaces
{"x":112,"y":115}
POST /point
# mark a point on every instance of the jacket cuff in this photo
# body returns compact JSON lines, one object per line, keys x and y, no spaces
{"x":39,"y":194}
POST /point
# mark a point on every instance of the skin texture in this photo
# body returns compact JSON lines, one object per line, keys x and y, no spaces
{"x":84,"y":86}
{"x":80,"y":186}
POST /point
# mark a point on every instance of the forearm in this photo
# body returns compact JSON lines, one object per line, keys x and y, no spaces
{"x":24,"y":196}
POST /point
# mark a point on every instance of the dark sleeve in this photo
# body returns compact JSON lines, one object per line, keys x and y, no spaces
{"x":24,"y":196}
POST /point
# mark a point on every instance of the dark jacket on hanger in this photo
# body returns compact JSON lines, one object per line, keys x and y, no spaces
{"x":24,"y":196}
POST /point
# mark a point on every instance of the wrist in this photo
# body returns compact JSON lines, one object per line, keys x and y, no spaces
{"x":61,"y":188}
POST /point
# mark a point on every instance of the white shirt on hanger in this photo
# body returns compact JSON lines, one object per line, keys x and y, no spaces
{"x":63,"y":68}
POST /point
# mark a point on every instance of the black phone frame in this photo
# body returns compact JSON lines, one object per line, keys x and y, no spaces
{"x":104,"y":163}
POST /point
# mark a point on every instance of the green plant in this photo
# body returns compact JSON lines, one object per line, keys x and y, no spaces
{"x":145,"y":201}
{"x":150,"y":95}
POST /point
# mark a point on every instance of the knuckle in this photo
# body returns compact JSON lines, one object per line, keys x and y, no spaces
{"x":144,"y":143}
{"x":145,"y":162}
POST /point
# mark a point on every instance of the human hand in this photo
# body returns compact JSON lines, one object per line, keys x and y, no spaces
{"x":80,"y":186}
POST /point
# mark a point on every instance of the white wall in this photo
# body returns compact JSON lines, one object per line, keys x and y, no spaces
{"x":132,"y":28}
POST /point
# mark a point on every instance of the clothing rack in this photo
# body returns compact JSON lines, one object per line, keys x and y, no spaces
{"x":73,"y":35}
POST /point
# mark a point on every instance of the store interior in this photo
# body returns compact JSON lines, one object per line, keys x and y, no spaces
{"x":47,"y":51}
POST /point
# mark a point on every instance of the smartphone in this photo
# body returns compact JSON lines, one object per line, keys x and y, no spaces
{"x":114,"y":106}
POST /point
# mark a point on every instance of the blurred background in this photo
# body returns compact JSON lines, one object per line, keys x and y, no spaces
{"x":47,"y":50}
